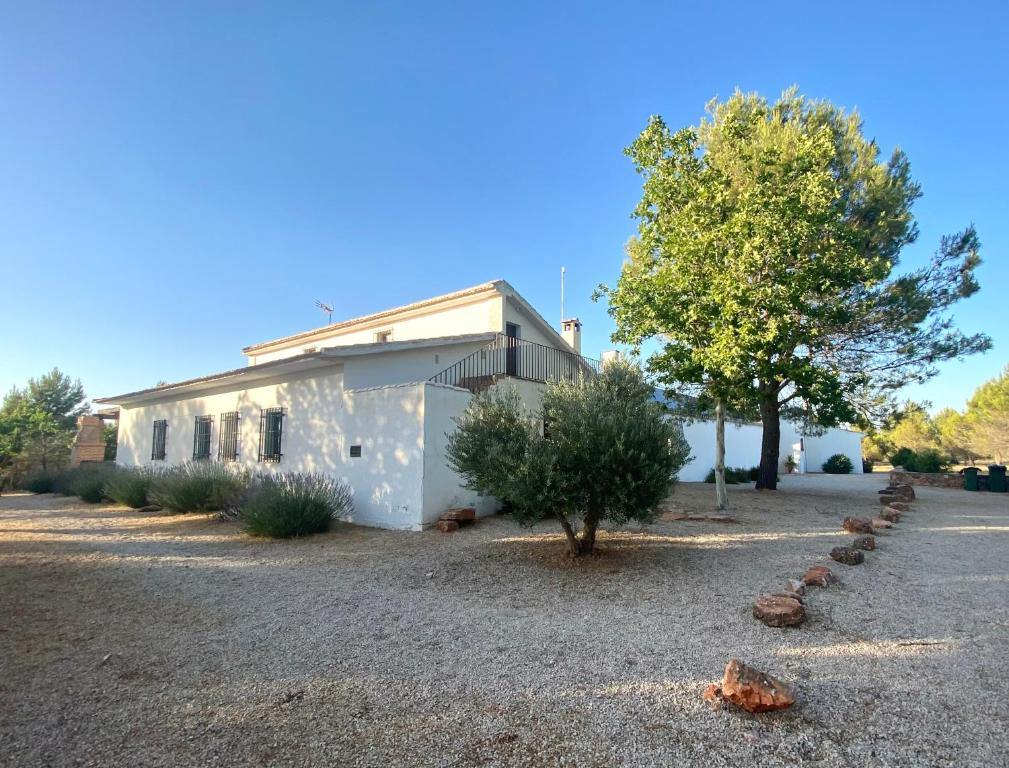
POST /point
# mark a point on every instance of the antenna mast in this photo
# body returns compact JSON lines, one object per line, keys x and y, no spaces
{"x":326,"y":308}
{"x":562,"y":295}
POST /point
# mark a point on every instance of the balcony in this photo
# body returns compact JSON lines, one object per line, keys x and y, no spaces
{"x":507,"y":356}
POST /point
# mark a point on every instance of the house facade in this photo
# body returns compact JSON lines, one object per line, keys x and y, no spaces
{"x":369,"y":400}
{"x":372,"y":400}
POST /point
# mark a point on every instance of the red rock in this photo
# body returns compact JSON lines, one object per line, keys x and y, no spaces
{"x":795,"y":585}
{"x":712,"y":693}
{"x":867,"y":542}
{"x":857,"y":525}
{"x":790,"y":595}
{"x":779,"y":611}
{"x":459,"y":514}
{"x":890,"y":515}
{"x":447,"y":526}
{"x":878,"y":522}
{"x":847,"y":555}
{"x":900,"y":506}
{"x":818,"y":576}
{"x":753,"y":690}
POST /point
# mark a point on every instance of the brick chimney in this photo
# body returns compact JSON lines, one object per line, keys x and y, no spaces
{"x":571,"y":330}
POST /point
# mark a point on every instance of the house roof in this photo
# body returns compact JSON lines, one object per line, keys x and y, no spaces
{"x":322,"y":358}
{"x":494,"y":286}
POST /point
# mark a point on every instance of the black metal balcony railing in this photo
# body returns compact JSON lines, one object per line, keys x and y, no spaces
{"x":508,"y":356}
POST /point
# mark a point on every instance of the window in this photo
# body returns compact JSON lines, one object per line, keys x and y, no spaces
{"x":158,"y":445}
{"x":201,"y":437}
{"x":271,"y":428}
{"x":227,"y":439}
{"x":383,"y":336}
{"x":355,"y":451}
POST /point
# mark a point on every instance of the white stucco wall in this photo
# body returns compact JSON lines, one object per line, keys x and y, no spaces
{"x":742,"y":447}
{"x":443,"y":488}
{"x":403,"y":366}
{"x":479,"y":316}
{"x":322,"y":421}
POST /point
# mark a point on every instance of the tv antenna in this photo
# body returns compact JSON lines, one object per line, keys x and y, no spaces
{"x":562,"y":295}
{"x":326,"y":308}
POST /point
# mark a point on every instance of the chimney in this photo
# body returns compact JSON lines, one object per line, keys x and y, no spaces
{"x":611,"y":355}
{"x":571,"y":330}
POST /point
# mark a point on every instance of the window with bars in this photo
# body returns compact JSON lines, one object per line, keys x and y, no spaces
{"x":160,"y":436}
{"x":227,"y":438}
{"x":271,"y":428}
{"x":201,"y":437}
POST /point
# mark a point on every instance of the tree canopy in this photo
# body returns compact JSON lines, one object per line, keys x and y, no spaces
{"x":600,"y":449}
{"x":768,"y":236}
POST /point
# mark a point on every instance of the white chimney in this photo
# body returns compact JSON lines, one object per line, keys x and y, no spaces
{"x":571,"y":330}
{"x":611,"y":355}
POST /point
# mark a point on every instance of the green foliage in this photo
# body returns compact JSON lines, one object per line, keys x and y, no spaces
{"x":130,"y":486}
{"x":111,"y":434}
{"x":734,"y":475}
{"x":88,"y":481}
{"x":196,"y":486}
{"x":764,"y":264}
{"x":838,"y":464}
{"x":37,"y":425}
{"x":40,"y":481}
{"x":294,"y":504}
{"x":927,"y":460}
{"x":610,"y":454}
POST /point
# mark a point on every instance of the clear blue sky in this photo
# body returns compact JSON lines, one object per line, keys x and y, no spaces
{"x":178,"y":180}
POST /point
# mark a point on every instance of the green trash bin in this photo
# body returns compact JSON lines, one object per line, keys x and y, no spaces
{"x":996,"y":478}
{"x":970,"y":478}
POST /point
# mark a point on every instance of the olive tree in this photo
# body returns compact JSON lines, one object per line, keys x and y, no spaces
{"x":600,"y":449}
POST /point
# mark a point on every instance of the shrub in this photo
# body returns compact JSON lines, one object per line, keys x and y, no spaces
{"x":838,"y":464}
{"x":929,"y":460}
{"x":867,"y":466}
{"x":734,"y":475}
{"x":903,"y":457}
{"x":196,"y":486}
{"x":610,"y":453}
{"x":88,"y":481}
{"x":130,"y":486}
{"x":40,"y":482}
{"x":294,"y":504}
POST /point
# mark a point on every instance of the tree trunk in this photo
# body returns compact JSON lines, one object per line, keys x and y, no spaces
{"x":767,"y":477}
{"x":721,"y":495}
{"x":574,"y":546}
{"x":588,"y":538}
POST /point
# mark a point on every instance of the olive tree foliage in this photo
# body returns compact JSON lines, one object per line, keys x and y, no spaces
{"x":764,"y":262}
{"x":600,"y":449}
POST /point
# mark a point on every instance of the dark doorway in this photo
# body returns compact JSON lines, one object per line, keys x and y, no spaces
{"x":512,"y":349}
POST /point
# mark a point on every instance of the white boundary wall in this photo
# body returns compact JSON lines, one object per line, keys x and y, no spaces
{"x":742,"y":447}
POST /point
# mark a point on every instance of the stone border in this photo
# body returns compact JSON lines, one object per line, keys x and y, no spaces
{"x":931,"y":479}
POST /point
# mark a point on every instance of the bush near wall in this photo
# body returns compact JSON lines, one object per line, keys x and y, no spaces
{"x":838,"y":464}
{"x":130,"y":486}
{"x":735,"y":475}
{"x":293,"y":504}
{"x":197,"y":486}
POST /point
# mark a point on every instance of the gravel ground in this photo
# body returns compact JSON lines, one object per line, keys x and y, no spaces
{"x":144,"y":640}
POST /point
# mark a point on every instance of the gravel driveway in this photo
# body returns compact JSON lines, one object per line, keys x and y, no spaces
{"x":145,"y":640}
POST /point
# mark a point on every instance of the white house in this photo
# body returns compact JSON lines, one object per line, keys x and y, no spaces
{"x":371,"y":400}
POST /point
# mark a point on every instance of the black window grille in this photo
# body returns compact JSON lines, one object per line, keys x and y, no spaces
{"x":227,"y":438}
{"x":271,"y":429}
{"x":201,"y":436}
{"x":158,"y":444}
{"x":355,"y":451}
